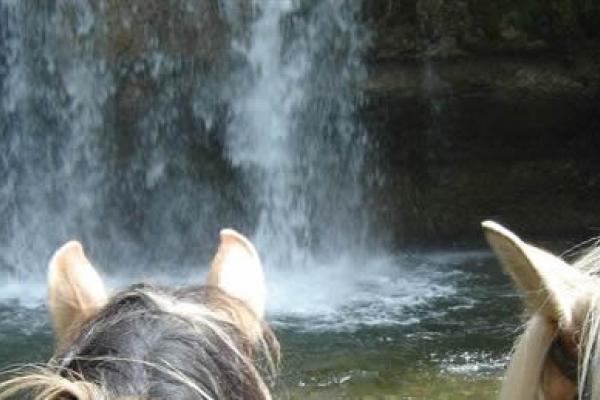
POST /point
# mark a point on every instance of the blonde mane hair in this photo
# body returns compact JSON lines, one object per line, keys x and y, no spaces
{"x":43,"y":382}
{"x":522,"y":377}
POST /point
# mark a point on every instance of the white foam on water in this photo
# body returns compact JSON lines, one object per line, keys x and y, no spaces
{"x":345,"y":296}
{"x":474,"y":363}
{"x":23,"y":294}
{"x":341,"y":295}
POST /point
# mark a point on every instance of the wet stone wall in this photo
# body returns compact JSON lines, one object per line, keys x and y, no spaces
{"x":485,"y":110}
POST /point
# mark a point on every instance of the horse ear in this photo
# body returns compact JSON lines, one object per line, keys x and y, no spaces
{"x":76,"y":291}
{"x":236,"y":269}
{"x":549,"y":284}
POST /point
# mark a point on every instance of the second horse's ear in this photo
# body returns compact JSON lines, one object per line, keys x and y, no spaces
{"x":548,"y":283}
{"x":76,"y":291}
{"x":236,"y":269}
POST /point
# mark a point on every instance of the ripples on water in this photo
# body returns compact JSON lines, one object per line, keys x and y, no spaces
{"x":435,"y":325}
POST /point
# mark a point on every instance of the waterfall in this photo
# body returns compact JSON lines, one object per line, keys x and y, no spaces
{"x":51,"y":113}
{"x":107,"y":134}
{"x":294,"y":130}
{"x":141,"y":128}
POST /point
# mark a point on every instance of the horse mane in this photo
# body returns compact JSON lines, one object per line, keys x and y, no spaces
{"x":154,"y":342}
{"x":527,"y":360}
{"x":589,"y":354}
{"x":589,"y":369}
{"x":523,"y":375}
{"x":44,"y":382}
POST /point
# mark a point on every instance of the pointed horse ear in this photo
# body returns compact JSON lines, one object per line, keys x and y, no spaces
{"x":236,"y":269}
{"x":549,"y":284}
{"x":76,"y":291}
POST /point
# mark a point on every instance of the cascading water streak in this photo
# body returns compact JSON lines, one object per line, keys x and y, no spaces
{"x":294,"y":129}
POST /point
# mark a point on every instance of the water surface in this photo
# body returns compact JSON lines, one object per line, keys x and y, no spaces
{"x":419,"y":326}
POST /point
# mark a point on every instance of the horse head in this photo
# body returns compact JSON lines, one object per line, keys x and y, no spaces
{"x":556,"y":356}
{"x":151,"y":342}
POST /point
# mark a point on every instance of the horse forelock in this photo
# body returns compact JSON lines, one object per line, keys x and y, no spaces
{"x":589,"y":354}
{"x":153,"y":342}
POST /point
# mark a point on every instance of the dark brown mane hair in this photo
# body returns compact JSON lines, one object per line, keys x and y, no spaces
{"x":133,"y":347}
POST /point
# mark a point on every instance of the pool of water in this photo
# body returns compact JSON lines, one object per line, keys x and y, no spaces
{"x":419,"y":326}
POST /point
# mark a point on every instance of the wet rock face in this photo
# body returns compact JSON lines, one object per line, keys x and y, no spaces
{"x":484,"y":110}
{"x":177,"y":28}
{"x":157,"y":49}
{"x":450,"y":162}
{"x":409,"y":28}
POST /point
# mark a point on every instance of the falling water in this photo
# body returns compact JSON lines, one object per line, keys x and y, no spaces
{"x":141,"y":139}
{"x":294,"y":130}
{"x":108,"y":133}
{"x":52,"y":100}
